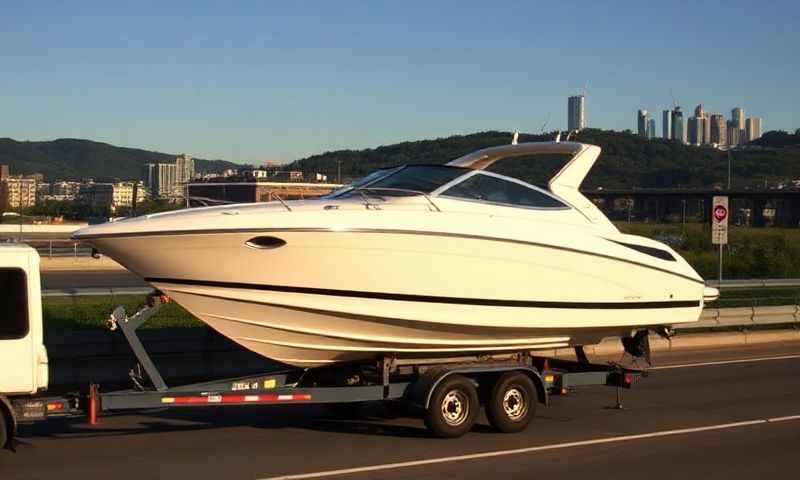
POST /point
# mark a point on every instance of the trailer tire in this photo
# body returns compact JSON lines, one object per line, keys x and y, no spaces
{"x":512,"y":402}
{"x":453,"y":407}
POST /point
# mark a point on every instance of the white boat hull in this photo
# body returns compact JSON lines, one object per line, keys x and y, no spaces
{"x":334,"y":295}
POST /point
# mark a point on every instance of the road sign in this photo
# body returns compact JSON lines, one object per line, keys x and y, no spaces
{"x":719,"y":221}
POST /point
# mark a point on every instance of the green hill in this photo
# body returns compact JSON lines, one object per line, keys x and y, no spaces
{"x":73,"y":159}
{"x":627,"y":161}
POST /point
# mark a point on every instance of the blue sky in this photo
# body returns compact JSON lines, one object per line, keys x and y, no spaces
{"x":255,"y":81}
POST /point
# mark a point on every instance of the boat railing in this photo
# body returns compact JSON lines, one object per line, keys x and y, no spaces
{"x":361,"y":191}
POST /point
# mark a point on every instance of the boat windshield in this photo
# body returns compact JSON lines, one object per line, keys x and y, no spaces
{"x":405,"y":180}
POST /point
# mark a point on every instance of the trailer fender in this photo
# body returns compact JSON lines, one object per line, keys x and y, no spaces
{"x":10,"y":420}
{"x":420,"y":392}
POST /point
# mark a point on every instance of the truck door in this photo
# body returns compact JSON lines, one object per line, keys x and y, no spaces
{"x":17,"y":359}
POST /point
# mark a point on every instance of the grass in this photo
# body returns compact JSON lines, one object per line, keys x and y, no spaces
{"x":92,"y":312}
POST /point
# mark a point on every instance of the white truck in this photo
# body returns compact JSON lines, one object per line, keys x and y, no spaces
{"x":445,"y":391}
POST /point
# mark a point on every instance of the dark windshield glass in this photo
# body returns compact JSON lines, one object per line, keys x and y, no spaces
{"x":419,"y":178}
{"x":361,"y":182}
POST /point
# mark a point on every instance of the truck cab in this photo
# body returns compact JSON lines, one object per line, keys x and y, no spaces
{"x":23,"y":357}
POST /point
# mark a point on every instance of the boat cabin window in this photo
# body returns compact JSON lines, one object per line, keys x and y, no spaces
{"x":489,"y":188}
{"x":13,"y":304}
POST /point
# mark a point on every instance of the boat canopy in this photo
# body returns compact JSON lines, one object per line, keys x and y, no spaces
{"x":565,"y":183}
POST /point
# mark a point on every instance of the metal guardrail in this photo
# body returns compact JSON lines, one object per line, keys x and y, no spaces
{"x":96,"y":292}
{"x":754,"y":283}
{"x":60,"y":248}
{"x":743,"y":317}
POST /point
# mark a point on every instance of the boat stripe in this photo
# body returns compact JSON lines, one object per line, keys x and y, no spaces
{"x":403,"y":297}
{"x":381,"y":231}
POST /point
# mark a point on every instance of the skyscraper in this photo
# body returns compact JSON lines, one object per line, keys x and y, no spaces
{"x":695,"y":130}
{"x":651,"y":128}
{"x":184,"y":168}
{"x":678,"y":132}
{"x":719,"y":134}
{"x":737,"y":117}
{"x":666,"y":124}
{"x":576,"y":112}
{"x":734,"y":134}
{"x":703,"y":127}
{"x":641,"y":121}
{"x":753,"y":128}
{"x":706,"y":127}
{"x":159,"y":178}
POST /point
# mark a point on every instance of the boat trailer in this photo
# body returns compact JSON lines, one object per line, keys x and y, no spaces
{"x":447,"y":392}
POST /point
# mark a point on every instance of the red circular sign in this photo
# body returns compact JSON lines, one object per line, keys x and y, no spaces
{"x":720,"y":213}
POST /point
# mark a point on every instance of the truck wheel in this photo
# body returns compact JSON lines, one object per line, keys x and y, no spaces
{"x":453,"y":408}
{"x":512,"y":402}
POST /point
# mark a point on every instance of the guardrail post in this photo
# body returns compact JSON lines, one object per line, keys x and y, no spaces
{"x":51,"y":249}
{"x":75,"y":249}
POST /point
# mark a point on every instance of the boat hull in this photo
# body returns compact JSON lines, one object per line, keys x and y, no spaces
{"x":332,"y":295}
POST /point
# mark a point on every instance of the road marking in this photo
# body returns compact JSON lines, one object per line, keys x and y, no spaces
{"x":518,"y":451}
{"x":723,"y":362}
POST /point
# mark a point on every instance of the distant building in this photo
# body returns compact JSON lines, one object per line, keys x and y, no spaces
{"x":576,"y":112}
{"x":651,"y":128}
{"x":753,"y":128}
{"x":255,"y":173}
{"x":42,"y":191}
{"x":737,"y":117}
{"x":694,"y":131}
{"x":719,"y":132}
{"x":705,"y":125}
{"x":17,"y":192}
{"x":287,"y":176}
{"x":666,"y":125}
{"x":68,"y":190}
{"x":699,"y":112}
{"x":160,"y":179}
{"x":222,"y":190}
{"x":184,"y":168}
{"x":3,"y":172}
{"x":734,"y":134}
{"x":124,"y":191}
{"x":112,"y":196}
{"x":678,"y":130}
{"x":642,"y":118}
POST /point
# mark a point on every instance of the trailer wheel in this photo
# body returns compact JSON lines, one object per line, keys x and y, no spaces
{"x":512,"y":403}
{"x":453,"y":407}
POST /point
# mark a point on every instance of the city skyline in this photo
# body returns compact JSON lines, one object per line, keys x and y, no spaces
{"x":257,"y":82}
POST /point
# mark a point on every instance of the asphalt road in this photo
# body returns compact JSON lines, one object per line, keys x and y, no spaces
{"x":679,"y":423}
{"x":61,"y":279}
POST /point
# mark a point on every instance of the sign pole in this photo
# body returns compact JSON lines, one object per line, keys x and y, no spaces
{"x":719,"y":224}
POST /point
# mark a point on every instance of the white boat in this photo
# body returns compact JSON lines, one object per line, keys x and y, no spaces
{"x":413,"y":260}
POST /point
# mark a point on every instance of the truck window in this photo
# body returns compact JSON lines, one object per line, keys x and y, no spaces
{"x":13,"y":303}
